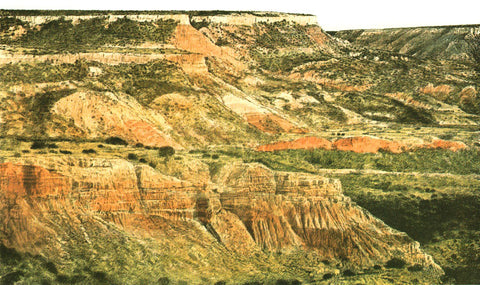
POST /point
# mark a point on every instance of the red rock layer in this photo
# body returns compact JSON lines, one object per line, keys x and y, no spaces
{"x":29,"y":180}
{"x":254,"y":208}
{"x":449,"y":145}
{"x":368,"y":144}
{"x":301,"y":143}
{"x":358,"y":144}
{"x":297,"y":210}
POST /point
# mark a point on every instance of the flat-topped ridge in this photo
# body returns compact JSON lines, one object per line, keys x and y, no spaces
{"x":182,"y":17}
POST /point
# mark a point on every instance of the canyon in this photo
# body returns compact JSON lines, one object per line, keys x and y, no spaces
{"x":215,"y":147}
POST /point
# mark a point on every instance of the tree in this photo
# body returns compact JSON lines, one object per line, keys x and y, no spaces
{"x":166,"y":151}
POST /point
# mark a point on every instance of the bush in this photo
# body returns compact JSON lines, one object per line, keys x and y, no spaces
{"x":166,"y":151}
{"x":100,"y":146}
{"x":395,"y":263}
{"x":132,"y":156}
{"x":139,"y":145}
{"x":143,"y":160}
{"x":415,"y":268}
{"x":348,"y":273}
{"x":25,"y":151}
{"x":163,"y":281}
{"x":65,"y":151}
{"x":38,"y":145}
{"x":116,"y":141}
{"x":152,"y":164}
{"x":215,"y":156}
{"x":288,"y":282}
{"x":89,"y":151}
{"x":42,"y":144}
{"x":327,"y":276}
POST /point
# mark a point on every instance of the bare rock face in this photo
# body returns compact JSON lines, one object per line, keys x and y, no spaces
{"x":368,"y":144}
{"x":301,"y":143}
{"x":360,"y":145}
{"x":296,"y":210}
{"x":108,"y":114}
{"x":248,"y":207}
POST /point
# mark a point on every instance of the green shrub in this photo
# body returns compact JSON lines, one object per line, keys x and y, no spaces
{"x":132,"y":156}
{"x":415,"y":268}
{"x":42,"y":144}
{"x":349,"y":273}
{"x":395,"y":263}
{"x":163,"y":281}
{"x":89,"y":151}
{"x":166,"y":151}
{"x":116,"y":141}
{"x":327,"y":276}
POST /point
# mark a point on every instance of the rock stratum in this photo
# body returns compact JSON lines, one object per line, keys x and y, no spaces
{"x":361,"y":145}
{"x":248,"y":208}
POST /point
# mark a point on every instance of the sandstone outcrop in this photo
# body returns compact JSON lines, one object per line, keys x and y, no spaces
{"x":449,"y":145}
{"x":248,"y":207}
{"x":301,"y":143}
{"x":107,"y":114}
{"x":360,"y":145}
{"x":368,"y":144}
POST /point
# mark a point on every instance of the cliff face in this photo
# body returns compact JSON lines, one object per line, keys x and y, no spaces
{"x":248,"y":207}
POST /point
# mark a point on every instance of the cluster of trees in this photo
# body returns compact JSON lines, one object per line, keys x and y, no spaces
{"x":63,"y":35}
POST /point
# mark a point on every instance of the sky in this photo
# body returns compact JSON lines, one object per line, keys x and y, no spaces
{"x":332,"y":15}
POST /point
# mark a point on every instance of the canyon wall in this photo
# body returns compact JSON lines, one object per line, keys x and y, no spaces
{"x":449,"y":42}
{"x":246,"y":207}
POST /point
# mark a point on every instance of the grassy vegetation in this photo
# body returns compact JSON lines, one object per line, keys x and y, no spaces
{"x":145,"y":82}
{"x":442,"y":212}
{"x":63,"y":36}
{"x":285,"y":63}
{"x":281,"y":34}
{"x":42,"y":72}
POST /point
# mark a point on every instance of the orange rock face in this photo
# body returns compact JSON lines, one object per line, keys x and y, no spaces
{"x":297,"y":210}
{"x":359,"y":145}
{"x":449,"y":145}
{"x":32,"y":181}
{"x":368,"y":144}
{"x":301,"y":143}
{"x":188,"y":38}
{"x":253,"y":208}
